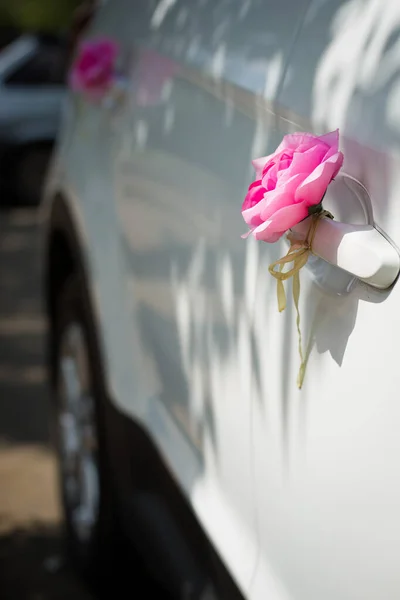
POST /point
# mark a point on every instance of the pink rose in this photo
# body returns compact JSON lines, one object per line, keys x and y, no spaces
{"x":290,"y":181}
{"x":93,"y":69}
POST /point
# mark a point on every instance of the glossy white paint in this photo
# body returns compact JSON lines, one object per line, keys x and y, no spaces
{"x":327,"y":457}
{"x":298,"y":491}
{"x":361,"y":250}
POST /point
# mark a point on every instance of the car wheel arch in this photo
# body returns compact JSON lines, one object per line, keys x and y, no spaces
{"x":63,"y":258}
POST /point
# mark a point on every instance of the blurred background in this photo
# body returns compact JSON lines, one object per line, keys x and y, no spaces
{"x":37,"y":38}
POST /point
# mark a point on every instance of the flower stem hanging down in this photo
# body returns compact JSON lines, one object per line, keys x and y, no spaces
{"x":289,"y":187}
{"x":298,"y":255}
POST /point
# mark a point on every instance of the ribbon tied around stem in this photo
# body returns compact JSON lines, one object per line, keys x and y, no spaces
{"x":298,"y":254}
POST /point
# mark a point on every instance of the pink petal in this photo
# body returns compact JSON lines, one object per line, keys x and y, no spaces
{"x":314,"y":187}
{"x":294,"y":140}
{"x":254,"y":195}
{"x":281,"y":197}
{"x":270,"y":177}
{"x":306,"y":162}
{"x":331,"y":138}
{"x":263,"y":234}
{"x":281,"y":221}
{"x":251,"y":215}
{"x":339,"y":162}
{"x":259,"y":164}
{"x":105,"y":46}
{"x":274,"y":237}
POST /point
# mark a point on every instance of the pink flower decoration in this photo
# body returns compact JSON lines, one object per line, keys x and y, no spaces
{"x":290,"y":181}
{"x":93,"y":70}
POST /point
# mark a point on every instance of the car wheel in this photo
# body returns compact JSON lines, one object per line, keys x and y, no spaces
{"x":85,"y":484}
{"x":30,"y":173}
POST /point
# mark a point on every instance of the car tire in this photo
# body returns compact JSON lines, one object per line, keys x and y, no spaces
{"x":30,"y":172}
{"x":91,"y":526}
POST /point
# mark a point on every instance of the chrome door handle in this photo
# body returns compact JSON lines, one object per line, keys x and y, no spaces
{"x":361,"y":250}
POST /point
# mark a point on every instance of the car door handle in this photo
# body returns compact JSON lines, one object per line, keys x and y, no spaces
{"x":361,"y":250}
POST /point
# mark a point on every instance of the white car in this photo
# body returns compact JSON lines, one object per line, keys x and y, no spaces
{"x":32,"y":90}
{"x":177,"y":413}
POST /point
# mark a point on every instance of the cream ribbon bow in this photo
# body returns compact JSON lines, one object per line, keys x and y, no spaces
{"x":297,"y":254}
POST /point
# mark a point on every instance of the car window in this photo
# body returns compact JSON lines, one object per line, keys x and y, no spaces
{"x":46,"y":67}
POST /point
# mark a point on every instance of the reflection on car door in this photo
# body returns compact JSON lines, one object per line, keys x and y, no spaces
{"x":326,"y":467}
{"x":205,"y":81}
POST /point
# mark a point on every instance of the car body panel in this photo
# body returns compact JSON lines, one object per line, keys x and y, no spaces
{"x":327,"y":472}
{"x":174,"y":315}
{"x":297,"y":490}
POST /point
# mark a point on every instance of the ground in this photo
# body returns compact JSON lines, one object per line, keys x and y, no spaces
{"x":32,"y":561}
{"x":33,"y":564}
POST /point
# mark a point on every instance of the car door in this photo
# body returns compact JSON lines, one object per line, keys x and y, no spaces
{"x":327,"y":457}
{"x":204,"y":80}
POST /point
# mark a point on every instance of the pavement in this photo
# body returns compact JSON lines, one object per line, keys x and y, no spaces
{"x":33,"y":565}
{"x":33,"y":561}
